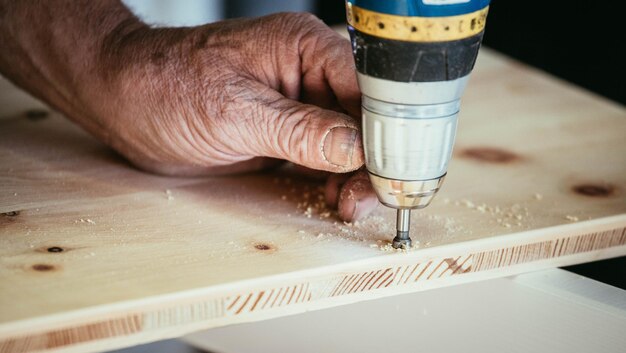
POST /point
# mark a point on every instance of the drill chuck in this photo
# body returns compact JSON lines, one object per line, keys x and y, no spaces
{"x":413,"y":61}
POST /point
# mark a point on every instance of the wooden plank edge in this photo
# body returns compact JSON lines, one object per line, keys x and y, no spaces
{"x":172,"y":315}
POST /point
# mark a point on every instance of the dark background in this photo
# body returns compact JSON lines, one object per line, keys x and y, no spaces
{"x":583,"y":42}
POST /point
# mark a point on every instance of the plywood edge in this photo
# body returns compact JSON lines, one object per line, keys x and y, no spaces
{"x":148,"y":319}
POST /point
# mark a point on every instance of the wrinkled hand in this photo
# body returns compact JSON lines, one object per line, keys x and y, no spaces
{"x":235,"y":96}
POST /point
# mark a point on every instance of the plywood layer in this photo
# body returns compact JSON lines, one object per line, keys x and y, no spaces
{"x":95,"y":254}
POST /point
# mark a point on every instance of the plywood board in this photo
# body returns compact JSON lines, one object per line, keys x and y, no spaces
{"x":95,"y":254}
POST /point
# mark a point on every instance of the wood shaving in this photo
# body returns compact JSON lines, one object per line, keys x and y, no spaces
{"x":387,"y":247}
{"x":310,"y":203}
{"x":505,"y":216}
{"x":468,"y":204}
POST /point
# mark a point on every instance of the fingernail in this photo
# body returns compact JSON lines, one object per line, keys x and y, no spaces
{"x":339,"y":146}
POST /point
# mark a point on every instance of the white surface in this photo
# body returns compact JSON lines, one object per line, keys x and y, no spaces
{"x":177,"y":13}
{"x":197,"y":12}
{"x":549,"y":311}
{"x":167,"y":346}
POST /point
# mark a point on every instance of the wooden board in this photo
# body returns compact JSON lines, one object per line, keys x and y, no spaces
{"x":96,"y":255}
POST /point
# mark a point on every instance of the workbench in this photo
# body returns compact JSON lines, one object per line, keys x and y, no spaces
{"x":545,"y":311}
{"x":95,"y":254}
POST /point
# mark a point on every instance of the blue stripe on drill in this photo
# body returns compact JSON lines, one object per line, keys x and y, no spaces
{"x":419,"y":8}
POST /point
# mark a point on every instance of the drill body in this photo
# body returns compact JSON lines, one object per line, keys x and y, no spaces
{"x":413,"y":60}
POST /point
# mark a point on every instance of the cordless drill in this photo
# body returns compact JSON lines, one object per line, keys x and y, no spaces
{"x":413,"y":60}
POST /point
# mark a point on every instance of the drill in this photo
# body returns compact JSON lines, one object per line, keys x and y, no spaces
{"x":413,"y":61}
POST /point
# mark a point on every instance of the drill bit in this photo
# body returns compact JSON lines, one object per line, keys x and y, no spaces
{"x":402,"y":239}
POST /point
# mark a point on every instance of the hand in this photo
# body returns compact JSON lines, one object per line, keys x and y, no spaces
{"x":235,"y":96}
{"x":213,"y":99}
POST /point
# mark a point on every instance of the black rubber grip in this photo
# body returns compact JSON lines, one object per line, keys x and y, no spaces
{"x":414,"y":61}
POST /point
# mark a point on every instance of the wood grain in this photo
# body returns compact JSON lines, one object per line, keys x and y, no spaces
{"x":95,"y":254}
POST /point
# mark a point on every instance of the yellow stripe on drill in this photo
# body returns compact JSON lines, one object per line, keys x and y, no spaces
{"x":416,"y":29}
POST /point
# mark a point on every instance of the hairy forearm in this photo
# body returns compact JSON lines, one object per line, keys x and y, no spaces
{"x":52,"y":48}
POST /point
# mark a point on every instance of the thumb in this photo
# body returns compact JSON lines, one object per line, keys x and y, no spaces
{"x":310,"y":136}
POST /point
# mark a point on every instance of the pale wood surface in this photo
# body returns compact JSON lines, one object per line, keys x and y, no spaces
{"x":140,"y":263}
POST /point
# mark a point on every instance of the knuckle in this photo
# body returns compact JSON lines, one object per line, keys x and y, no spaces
{"x":299,"y":23}
{"x":307,"y":17}
{"x":301,"y":18}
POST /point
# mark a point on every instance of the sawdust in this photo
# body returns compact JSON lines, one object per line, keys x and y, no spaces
{"x":506,"y":217}
{"x":388,"y":247}
{"x":310,"y":203}
{"x":376,"y":231}
{"x":168,"y":194}
{"x":310,"y":199}
{"x":571,"y":218}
